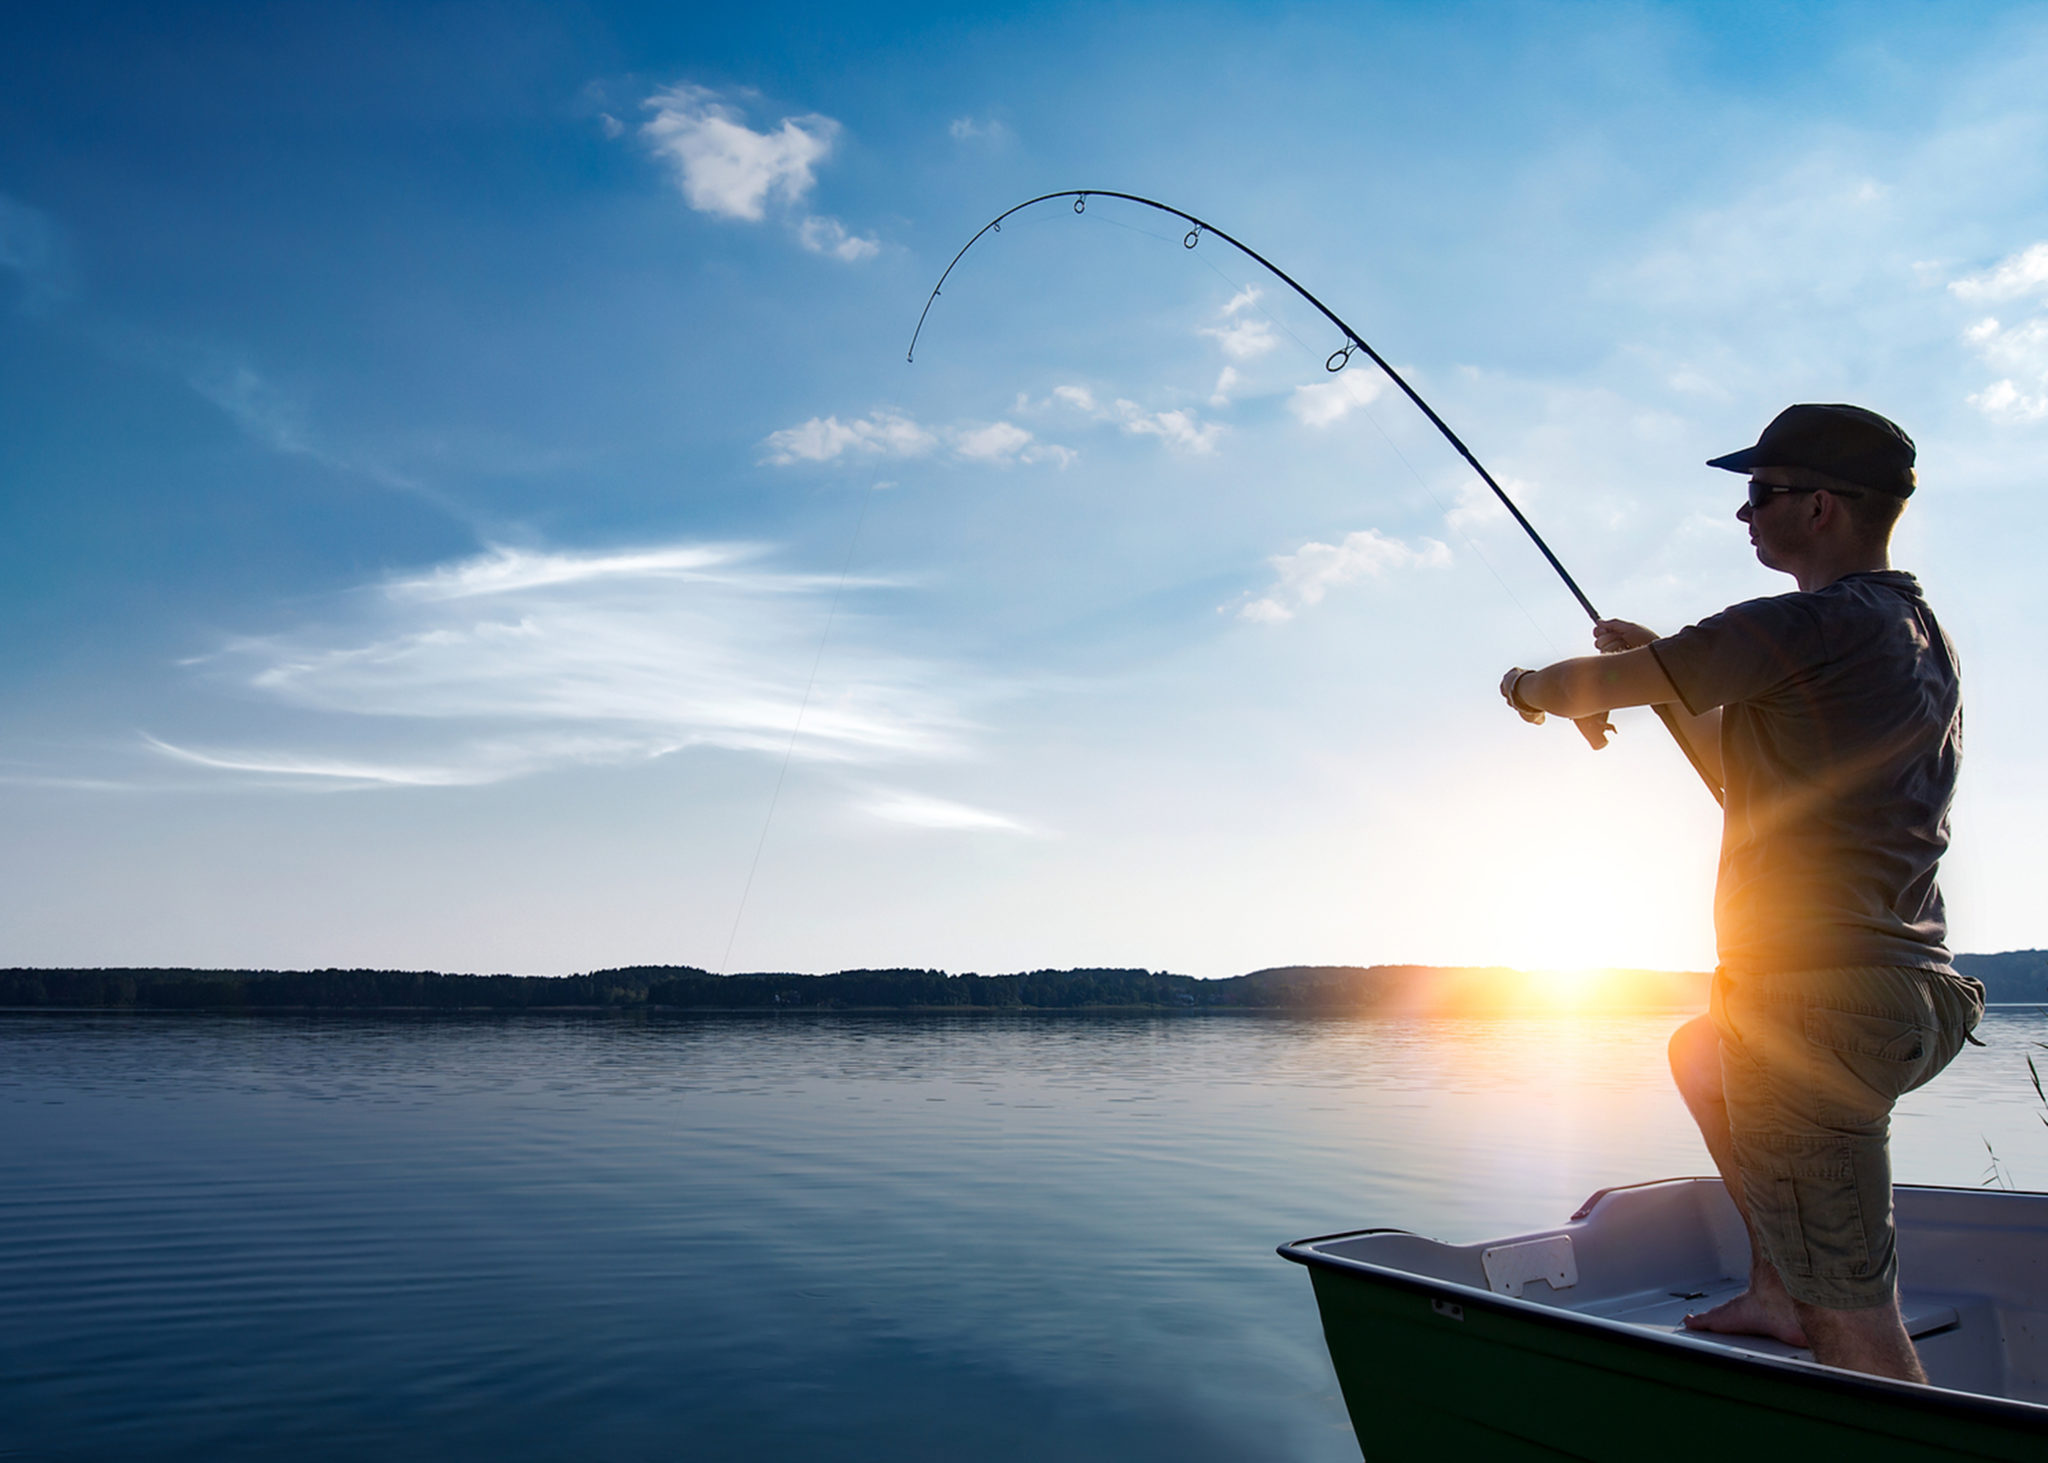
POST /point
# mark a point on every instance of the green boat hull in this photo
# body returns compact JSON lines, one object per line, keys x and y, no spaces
{"x":1436,"y":1369}
{"x":1491,"y":1384}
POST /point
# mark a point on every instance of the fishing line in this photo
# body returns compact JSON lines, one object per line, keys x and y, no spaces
{"x":1372,"y":416}
{"x":831,"y":615}
{"x":1354,"y":343}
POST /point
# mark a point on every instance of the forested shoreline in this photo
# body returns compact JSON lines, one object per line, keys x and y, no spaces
{"x":2012,"y":976}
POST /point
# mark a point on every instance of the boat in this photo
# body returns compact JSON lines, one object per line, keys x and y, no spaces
{"x":1569,"y":1342}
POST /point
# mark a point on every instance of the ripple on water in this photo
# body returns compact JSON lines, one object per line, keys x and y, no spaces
{"x":833,"y":1237}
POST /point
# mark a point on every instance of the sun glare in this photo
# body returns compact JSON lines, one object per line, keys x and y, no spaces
{"x":1572,"y":990}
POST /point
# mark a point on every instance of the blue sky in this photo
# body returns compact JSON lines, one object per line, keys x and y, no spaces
{"x":453,"y":458}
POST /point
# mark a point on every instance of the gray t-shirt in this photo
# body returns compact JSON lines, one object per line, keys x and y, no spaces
{"x":1841,"y":733}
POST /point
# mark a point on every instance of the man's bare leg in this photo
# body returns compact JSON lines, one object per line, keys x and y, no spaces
{"x":1765,"y":1309}
{"x":1872,"y":1340}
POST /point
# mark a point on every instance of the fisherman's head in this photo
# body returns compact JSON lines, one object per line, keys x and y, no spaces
{"x":1823,"y":470}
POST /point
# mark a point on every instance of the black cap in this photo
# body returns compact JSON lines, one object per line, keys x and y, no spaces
{"x":1846,"y":442}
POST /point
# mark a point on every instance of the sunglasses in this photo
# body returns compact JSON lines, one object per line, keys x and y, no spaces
{"x":1762,"y":493}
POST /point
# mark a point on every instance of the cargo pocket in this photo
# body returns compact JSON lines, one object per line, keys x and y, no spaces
{"x":1878,"y":1059}
{"x":1830,"y":1238}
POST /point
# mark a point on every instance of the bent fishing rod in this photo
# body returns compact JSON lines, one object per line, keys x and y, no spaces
{"x":1353,"y":343}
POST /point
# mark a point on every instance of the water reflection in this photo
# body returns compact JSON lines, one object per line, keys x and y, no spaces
{"x":850,"y":1237}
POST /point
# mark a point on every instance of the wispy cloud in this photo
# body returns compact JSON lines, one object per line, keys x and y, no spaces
{"x":967,"y":129}
{"x":915,"y":810}
{"x":1476,"y":506}
{"x":1178,"y":428}
{"x":508,"y":571}
{"x":891,"y":434}
{"x":254,"y":403}
{"x":334,"y":771}
{"x":821,"y":439}
{"x":515,"y":660}
{"x":1005,"y":442}
{"x":2012,"y":278}
{"x":1246,"y":338}
{"x":829,"y":236}
{"x":1305,"y":576}
{"x":2018,"y":349}
{"x":725,"y":168}
{"x":32,"y":249}
{"x":1243,"y":340}
{"x":1328,"y":402}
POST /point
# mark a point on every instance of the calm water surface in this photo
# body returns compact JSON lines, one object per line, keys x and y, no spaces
{"x":863,"y":1237}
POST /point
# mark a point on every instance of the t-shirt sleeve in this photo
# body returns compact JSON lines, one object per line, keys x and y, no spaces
{"x":1743,"y":653}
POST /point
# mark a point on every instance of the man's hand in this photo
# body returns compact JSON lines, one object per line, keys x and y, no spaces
{"x":1613,"y":636}
{"x":1527,"y":712}
{"x":1596,"y":729}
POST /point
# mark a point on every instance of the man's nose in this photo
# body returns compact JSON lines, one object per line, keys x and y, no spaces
{"x":1742,"y":514}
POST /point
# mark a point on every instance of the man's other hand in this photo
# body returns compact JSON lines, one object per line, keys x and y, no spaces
{"x":1613,"y":636}
{"x":1596,"y":729}
{"x":1527,"y":712}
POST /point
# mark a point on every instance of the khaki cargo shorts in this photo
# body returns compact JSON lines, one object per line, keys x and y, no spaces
{"x":1811,"y":1064}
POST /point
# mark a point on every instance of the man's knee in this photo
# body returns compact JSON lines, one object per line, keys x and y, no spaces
{"x":1696,"y":1061}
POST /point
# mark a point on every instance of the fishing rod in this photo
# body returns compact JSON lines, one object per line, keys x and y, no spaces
{"x":1339,"y":359}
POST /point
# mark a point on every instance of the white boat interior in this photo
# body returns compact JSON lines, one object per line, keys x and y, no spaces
{"x":1973,"y":1273}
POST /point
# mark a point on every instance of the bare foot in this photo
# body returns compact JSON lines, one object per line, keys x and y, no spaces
{"x":1753,"y":1314}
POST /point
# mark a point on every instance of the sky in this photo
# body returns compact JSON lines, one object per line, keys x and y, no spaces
{"x":464,"y":503}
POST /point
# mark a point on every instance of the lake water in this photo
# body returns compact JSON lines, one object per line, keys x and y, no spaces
{"x":857,"y":1237}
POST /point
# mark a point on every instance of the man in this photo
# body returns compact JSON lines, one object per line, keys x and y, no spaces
{"x":1832,"y":719}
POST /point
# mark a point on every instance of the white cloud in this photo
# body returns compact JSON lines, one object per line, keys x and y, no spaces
{"x":725,"y":167}
{"x":1179,"y":429}
{"x":1329,"y":402}
{"x":1005,"y":442}
{"x":966,"y":129}
{"x":2005,"y":399}
{"x":1477,"y":506}
{"x":914,"y":810}
{"x":1243,"y":340}
{"x":829,"y":236}
{"x":516,"y":661}
{"x":821,"y":439}
{"x":998,"y":441}
{"x":1076,"y":396}
{"x":1226,"y":382}
{"x":2020,"y":274}
{"x":1314,"y":569}
{"x":613,"y":127}
{"x":2019,"y":350}
{"x":335,"y":771}
{"x":508,"y":571}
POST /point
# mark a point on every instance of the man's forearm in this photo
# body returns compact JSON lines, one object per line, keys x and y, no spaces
{"x":1590,"y":684}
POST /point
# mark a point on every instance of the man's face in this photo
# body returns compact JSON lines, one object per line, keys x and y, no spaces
{"x":1773,"y":524}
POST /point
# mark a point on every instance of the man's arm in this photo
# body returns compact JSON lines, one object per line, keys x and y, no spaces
{"x":1587,"y":687}
{"x":1590,"y":684}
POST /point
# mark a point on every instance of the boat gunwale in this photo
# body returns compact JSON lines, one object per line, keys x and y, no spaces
{"x":1983,"y":1405}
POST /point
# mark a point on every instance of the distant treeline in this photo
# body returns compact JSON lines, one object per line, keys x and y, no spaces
{"x":2012,"y":977}
{"x":671,"y":987}
{"x":2020,"y":975}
